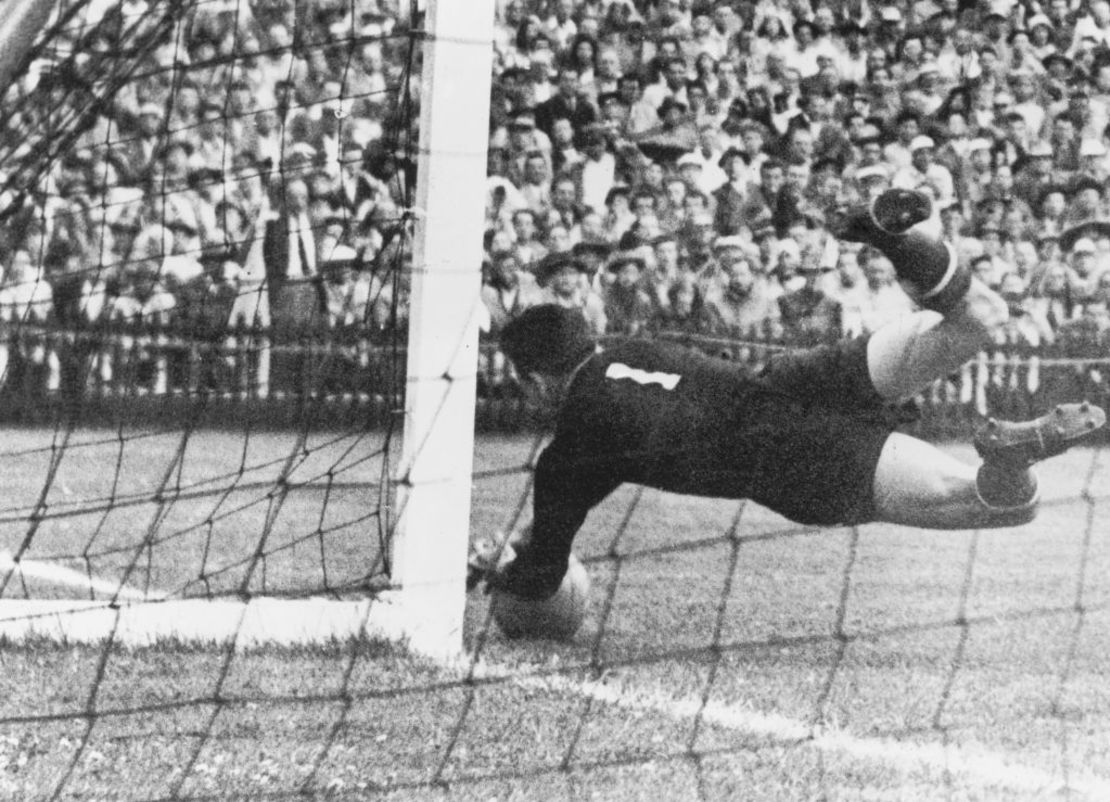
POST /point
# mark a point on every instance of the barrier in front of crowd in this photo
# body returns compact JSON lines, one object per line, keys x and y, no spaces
{"x":343,"y":375}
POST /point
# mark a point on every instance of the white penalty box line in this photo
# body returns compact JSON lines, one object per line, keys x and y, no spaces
{"x":979,"y":766}
{"x":144,"y":617}
{"x":55,"y":574}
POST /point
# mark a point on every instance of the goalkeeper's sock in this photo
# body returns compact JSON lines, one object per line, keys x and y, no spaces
{"x":926,"y":263}
{"x":1003,"y":487}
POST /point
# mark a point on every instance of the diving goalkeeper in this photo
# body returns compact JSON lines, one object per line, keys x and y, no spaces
{"x":813,"y":436}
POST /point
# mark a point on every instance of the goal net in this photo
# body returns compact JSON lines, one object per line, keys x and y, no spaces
{"x":207,"y":239}
{"x":202,"y":475}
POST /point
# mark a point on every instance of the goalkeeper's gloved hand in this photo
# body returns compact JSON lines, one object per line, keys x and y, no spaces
{"x":488,"y":556}
{"x":502,"y":563}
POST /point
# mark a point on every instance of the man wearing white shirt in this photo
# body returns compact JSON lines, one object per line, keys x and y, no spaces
{"x":672,"y":86}
{"x":597,"y":173}
{"x":925,"y":172}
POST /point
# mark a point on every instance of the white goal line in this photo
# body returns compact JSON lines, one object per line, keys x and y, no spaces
{"x":132,"y":617}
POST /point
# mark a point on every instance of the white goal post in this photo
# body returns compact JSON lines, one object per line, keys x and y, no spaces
{"x":432,"y":533}
{"x":430,"y":520}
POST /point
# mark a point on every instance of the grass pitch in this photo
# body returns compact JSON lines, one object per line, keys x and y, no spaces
{"x":728,"y":654}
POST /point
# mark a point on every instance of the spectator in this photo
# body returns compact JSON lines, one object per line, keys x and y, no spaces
{"x":1085,"y":335}
{"x":671,"y":86}
{"x":138,"y":150}
{"x":565,"y":154}
{"x":924,"y":173}
{"x":535,"y":184}
{"x":182,"y":263}
{"x":527,"y":248}
{"x":899,"y":153}
{"x":503,"y":198}
{"x":597,"y":171}
{"x":1033,"y":175}
{"x":1028,"y":323}
{"x":140,"y":301}
{"x":684,"y":309}
{"x":884,"y":299}
{"x":675,"y":135}
{"x":730,"y":198}
{"x":1085,"y":203}
{"x":665,"y":272}
{"x":1084,"y":273}
{"x":27,"y":356}
{"x":521,"y":139}
{"x":560,"y":275}
{"x":291,"y":260}
{"x":848,"y":287}
{"x":348,"y":288}
{"x":642,"y":115}
{"x":762,"y":198}
{"x":809,"y":315}
{"x":695,"y":243}
{"x":202,"y":309}
{"x":593,"y":254}
{"x":628,"y":308}
{"x":741,"y":305}
{"x":569,"y":102}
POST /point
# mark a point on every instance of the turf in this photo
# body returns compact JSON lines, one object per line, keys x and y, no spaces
{"x":728,"y":654}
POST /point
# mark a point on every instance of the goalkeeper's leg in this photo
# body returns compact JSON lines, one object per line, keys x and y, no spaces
{"x":960,"y":314}
{"x":915,"y":483}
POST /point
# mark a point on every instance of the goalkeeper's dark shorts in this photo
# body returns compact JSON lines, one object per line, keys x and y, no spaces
{"x":803,"y":437}
{"x":822,"y":448}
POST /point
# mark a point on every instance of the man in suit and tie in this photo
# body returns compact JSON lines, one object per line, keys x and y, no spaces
{"x":295,"y":290}
{"x":290,"y":256}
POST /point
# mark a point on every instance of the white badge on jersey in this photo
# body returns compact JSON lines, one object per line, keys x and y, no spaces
{"x":667,"y":381}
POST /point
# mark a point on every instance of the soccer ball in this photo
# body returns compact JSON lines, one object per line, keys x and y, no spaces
{"x":557,"y":617}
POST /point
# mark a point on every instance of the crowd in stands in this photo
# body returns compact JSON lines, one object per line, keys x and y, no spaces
{"x":673,"y":164}
{"x":659,"y":164}
{"x":252,"y":171}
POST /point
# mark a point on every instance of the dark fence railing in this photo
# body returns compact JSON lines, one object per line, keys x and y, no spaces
{"x":343,"y":376}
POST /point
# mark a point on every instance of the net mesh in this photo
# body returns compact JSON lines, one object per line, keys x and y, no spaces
{"x":180,"y":428}
{"x":728,"y":654}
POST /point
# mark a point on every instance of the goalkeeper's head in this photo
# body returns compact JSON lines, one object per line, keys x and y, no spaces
{"x":548,"y":339}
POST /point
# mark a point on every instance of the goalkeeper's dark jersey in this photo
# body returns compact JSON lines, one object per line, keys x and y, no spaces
{"x":803,"y":437}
